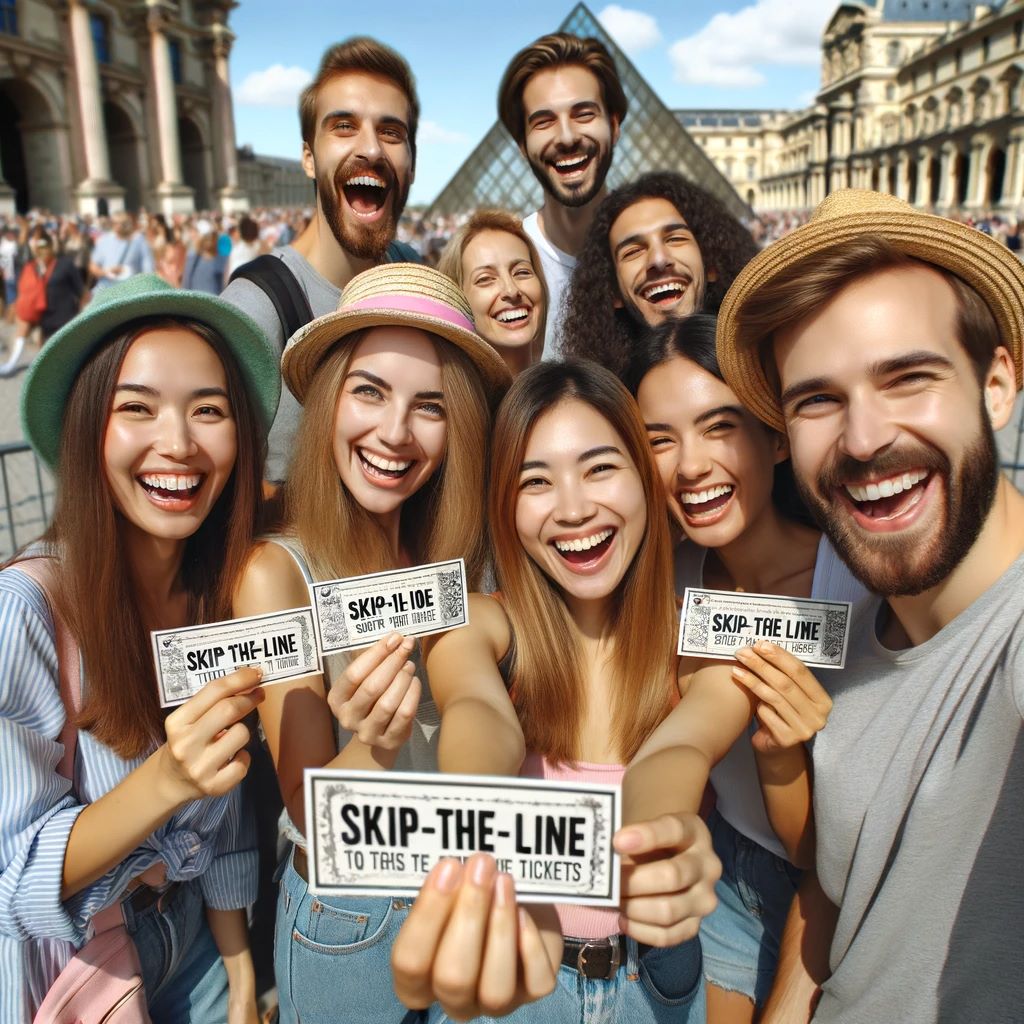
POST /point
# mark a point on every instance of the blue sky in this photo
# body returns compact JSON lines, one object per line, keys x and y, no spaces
{"x":734,"y":53}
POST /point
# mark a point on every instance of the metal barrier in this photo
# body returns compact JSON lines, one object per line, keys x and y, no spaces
{"x":26,"y":490}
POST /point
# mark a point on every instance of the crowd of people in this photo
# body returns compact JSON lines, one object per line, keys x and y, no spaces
{"x":624,"y":395}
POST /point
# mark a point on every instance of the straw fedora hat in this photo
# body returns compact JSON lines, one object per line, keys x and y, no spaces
{"x":393,"y":294}
{"x":985,"y":264}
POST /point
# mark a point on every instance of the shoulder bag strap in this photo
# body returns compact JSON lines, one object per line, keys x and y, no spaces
{"x":271,"y":273}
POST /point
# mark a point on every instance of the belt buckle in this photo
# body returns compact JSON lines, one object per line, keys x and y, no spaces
{"x":614,"y":956}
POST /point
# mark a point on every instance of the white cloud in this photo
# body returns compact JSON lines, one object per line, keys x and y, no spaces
{"x":632,"y":30}
{"x":431,"y":132}
{"x":729,"y":48}
{"x":276,"y":86}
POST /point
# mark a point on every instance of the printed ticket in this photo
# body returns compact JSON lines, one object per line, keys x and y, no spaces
{"x":283,"y":644}
{"x":714,"y":623}
{"x":417,"y":601}
{"x":380,"y":833}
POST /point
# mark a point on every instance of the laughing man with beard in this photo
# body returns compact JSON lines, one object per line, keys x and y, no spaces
{"x":358,"y":119}
{"x":658,"y":248}
{"x":887,"y":343}
{"x":561,"y":100}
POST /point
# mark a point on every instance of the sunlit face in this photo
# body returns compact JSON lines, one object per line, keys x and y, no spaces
{"x":361,"y":160}
{"x":716,"y":460}
{"x":581,"y":512}
{"x":892,"y":447}
{"x":569,"y":133}
{"x":658,"y":265}
{"x":170,"y":443}
{"x":391,"y":426}
{"x":503,"y":289}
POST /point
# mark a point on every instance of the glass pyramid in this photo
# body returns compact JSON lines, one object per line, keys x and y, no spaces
{"x":652,"y":139}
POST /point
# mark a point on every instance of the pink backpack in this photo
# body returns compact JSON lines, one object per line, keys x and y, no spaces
{"x":102,"y":983}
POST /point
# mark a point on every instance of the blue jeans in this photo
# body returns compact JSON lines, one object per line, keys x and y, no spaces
{"x":182,"y":970}
{"x":741,"y":936}
{"x":664,"y":986}
{"x":332,"y":956}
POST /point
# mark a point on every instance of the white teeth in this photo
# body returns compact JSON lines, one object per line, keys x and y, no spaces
{"x":576,"y":161}
{"x":584,"y":543}
{"x":885,"y":488}
{"x":171,"y":483}
{"x":508,"y":316}
{"x":699,"y":497}
{"x":389,"y":465}
{"x":365,"y":179}
{"x":661,"y":289}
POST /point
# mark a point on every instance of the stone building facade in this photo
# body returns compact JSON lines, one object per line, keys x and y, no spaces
{"x":108,"y":104}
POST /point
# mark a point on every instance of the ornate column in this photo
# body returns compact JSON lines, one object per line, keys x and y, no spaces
{"x":903,"y":175}
{"x":172,"y":195}
{"x":97,"y":184}
{"x":1013,"y":189}
{"x":977,"y":173}
{"x":231,"y":198}
{"x":924,"y":177}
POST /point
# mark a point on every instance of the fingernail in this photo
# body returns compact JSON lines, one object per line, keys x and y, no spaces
{"x":393,"y":641}
{"x":626,"y":841}
{"x":408,"y":644}
{"x":765,"y":645}
{"x":258,"y":669}
{"x":409,"y":667}
{"x":446,"y":875}
{"x":481,"y":869}
{"x":743,"y":652}
{"x":504,"y":891}
{"x":740,"y":673}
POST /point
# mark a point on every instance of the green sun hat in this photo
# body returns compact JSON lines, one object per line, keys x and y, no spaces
{"x":51,"y":375}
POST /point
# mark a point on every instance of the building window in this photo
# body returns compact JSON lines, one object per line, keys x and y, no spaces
{"x":893,"y":54}
{"x":727,"y":140}
{"x":100,"y":28}
{"x":958,"y":59}
{"x":986,"y":46}
{"x":750,"y":170}
{"x":890,"y":92}
{"x":1018,"y":34}
{"x":751,"y":141}
{"x":175,"y":49}
{"x":9,"y":17}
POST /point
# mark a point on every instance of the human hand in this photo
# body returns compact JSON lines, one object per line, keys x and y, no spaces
{"x":376,"y":697}
{"x":466,"y":945}
{"x":669,"y":872}
{"x":793,"y":704}
{"x":204,"y":754}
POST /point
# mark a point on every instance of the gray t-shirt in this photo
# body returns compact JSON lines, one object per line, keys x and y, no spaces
{"x":919,"y":805}
{"x":252,"y":299}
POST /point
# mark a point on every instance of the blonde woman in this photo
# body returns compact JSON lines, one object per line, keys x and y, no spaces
{"x":389,"y":472}
{"x":494,"y":261}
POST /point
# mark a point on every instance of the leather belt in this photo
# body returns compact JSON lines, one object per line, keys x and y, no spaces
{"x":143,"y":896}
{"x":595,"y":958}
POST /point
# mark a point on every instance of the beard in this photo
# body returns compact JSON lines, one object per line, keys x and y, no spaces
{"x":363,"y":241}
{"x":886,"y":563}
{"x":569,"y":195}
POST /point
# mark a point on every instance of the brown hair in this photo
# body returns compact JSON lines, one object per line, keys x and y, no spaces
{"x":546,"y":677}
{"x":366,"y":55}
{"x":804,"y":287}
{"x":442,"y":520}
{"x":96,"y":595}
{"x":450,"y":262}
{"x":553,"y":51}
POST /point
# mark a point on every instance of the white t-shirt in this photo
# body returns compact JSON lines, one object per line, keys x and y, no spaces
{"x":735,"y":778}
{"x":558,"y":267}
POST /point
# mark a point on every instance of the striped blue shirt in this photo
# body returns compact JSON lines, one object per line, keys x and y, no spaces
{"x":211,"y":840}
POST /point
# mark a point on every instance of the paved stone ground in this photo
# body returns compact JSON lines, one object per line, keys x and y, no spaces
{"x":20,"y":479}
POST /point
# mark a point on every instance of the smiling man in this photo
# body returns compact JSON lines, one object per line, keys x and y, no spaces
{"x":562,"y":102}
{"x":358,"y":120}
{"x":888,"y":344}
{"x":658,"y":248}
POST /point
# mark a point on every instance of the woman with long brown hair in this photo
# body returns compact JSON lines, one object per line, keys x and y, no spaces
{"x":494,"y":261}
{"x":152,"y":407}
{"x":388,"y":472}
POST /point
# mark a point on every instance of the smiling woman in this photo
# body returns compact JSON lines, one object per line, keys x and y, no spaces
{"x":153,"y":407}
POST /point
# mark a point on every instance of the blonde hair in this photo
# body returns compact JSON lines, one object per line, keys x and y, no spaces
{"x":546,"y":677}
{"x":442,"y":520}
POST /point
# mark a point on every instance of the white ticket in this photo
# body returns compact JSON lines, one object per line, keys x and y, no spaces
{"x":283,"y":644}
{"x":714,"y":623}
{"x":380,"y":833}
{"x":417,"y":601}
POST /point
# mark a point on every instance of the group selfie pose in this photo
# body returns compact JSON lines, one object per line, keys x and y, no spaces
{"x":604,"y":413}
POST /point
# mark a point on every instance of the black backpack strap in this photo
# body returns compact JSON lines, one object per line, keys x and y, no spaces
{"x":270,"y":273}
{"x":401,"y":252}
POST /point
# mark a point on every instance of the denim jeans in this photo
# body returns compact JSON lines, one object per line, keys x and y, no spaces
{"x":664,"y":986}
{"x":182,"y":969}
{"x":742,"y":934}
{"x":332,"y":956}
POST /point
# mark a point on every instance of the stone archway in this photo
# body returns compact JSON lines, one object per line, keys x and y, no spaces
{"x":30,"y":156}
{"x":960,"y":178}
{"x":912,"y":181}
{"x":193,"y":161}
{"x":995,"y":175}
{"x":934,"y":177}
{"x":123,"y":147}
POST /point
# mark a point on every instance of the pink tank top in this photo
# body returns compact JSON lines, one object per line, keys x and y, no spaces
{"x":579,"y":922}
